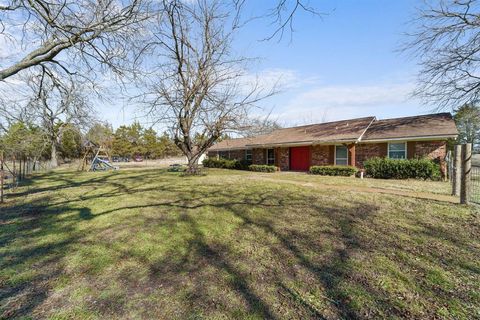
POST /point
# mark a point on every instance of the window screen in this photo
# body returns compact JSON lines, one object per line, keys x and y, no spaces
{"x":248,"y":155}
{"x":341,"y":155}
{"x":397,"y":150}
{"x":270,"y":157}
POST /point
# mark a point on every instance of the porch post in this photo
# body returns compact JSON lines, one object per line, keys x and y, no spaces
{"x":351,"y":155}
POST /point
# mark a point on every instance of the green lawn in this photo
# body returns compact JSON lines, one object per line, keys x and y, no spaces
{"x":154,"y":245}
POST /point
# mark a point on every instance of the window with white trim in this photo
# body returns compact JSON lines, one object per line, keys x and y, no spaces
{"x":341,"y":155}
{"x":270,"y":157}
{"x":248,"y":154}
{"x":397,"y":150}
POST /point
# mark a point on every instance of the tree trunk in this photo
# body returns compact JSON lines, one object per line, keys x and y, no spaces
{"x":192,"y":168}
{"x":53,"y":156}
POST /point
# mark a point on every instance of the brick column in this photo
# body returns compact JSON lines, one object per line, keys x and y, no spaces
{"x":351,"y":155}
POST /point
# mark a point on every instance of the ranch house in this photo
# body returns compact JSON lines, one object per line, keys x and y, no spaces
{"x":346,"y":142}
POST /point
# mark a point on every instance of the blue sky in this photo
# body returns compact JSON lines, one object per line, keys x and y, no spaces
{"x":342,"y":65}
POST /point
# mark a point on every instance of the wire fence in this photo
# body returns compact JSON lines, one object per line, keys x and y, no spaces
{"x":474,"y":194}
{"x":13,"y":171}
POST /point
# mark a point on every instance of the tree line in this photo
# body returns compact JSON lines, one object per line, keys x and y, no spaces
{"x":26,"y":140}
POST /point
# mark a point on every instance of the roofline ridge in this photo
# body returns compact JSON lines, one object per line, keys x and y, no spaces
{"x":417,"y":116}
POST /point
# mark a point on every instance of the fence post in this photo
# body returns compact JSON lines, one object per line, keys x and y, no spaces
{"x":466,"y":173}
{"x":14,"y":173}
{"x":457,"y":170}
{"x":1,"y":177}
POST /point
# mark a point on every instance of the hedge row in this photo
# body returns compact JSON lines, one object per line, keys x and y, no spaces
{"x":262,"y":168}
{"x":385,"y":168}
{"x":226,"y":164}
{"x":333,"y":170}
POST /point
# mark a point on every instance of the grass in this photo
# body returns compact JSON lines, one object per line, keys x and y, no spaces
{"x":152,"y":244}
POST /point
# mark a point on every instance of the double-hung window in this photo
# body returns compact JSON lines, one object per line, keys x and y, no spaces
{"x":270,"y":157}
{"x":397,"y":150}
{"x":248,"y":154}
{"x":341,"y":155}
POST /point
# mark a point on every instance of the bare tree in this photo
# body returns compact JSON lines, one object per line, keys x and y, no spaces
{"x":92,"y":32}
{"x":198,"y":88}
{"x":254,"y":126}
{"x":446,"y":39}
{"x":55,"y":106}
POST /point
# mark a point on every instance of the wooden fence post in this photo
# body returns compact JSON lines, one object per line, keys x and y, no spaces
{"x":466,"y":173}
{"x":457,"y":170}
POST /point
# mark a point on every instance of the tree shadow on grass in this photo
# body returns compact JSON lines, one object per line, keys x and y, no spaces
{"x":224,"y":276}
{"x":29,"y":263}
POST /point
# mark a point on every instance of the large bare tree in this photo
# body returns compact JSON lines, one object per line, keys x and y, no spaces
{"x":88,"y":32}
{"x":55,"y":106}
{"x":446,"y":39}
{"x":199,"y":87}
{"x":93,"y":33}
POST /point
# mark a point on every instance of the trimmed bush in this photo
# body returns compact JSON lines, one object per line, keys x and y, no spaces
{"x":226,"y":163}
{"x":262,"y":168}
{"x":345,"y":171}
{"x":176,"y":168}
{"x":385,"y":168}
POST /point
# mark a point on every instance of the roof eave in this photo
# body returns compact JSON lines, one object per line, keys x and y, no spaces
{"x":410,"y":138}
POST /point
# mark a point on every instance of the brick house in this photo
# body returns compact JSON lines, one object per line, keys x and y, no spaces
{"x":346,"y":142}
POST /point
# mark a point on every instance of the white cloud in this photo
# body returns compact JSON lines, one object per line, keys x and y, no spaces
{"x":327,"y":103}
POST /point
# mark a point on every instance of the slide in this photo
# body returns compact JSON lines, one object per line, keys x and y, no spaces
{"x":101,"y":165}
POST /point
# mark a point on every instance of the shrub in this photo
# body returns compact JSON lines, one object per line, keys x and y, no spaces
{"x":262,"y":168}
{"x":226,"y":163}
{"x":333,"y":170}
{"x":176,"y":168}
{"x":385,"y":168}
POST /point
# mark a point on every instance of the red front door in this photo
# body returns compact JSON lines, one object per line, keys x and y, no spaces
{"x":300,"y":158}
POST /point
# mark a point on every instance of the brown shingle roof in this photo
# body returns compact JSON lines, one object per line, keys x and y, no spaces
{"x":344,"y":130}
{"x":228,"y":144}
{"x":439,"y":124}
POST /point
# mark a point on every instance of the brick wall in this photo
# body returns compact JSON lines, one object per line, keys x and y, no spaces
{"x":282,"y":158}
{"x":258,"y":156}
{"x":212,"y":154}
{"x":232,"y":154}
{"x":320,"y":155}
{"x":364,"y":151}
{"x":237,"y":154}
{"x":435,"y":150}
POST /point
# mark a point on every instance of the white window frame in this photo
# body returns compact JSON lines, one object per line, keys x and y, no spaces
{"x":335,"y":155}
{"x":266,"y":156}
{"x":246,"y":154}
{"x":399,"y":142}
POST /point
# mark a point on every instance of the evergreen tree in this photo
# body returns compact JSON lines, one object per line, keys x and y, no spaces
{"x":467,"y":119}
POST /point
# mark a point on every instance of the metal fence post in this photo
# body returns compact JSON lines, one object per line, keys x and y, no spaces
{"x":466,"y":173}
{"x":457,"y":170}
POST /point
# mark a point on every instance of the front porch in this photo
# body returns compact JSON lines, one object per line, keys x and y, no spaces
{"x":301,"y":158}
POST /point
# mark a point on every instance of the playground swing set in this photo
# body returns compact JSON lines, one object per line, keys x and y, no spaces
{"x":96,"y":158}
